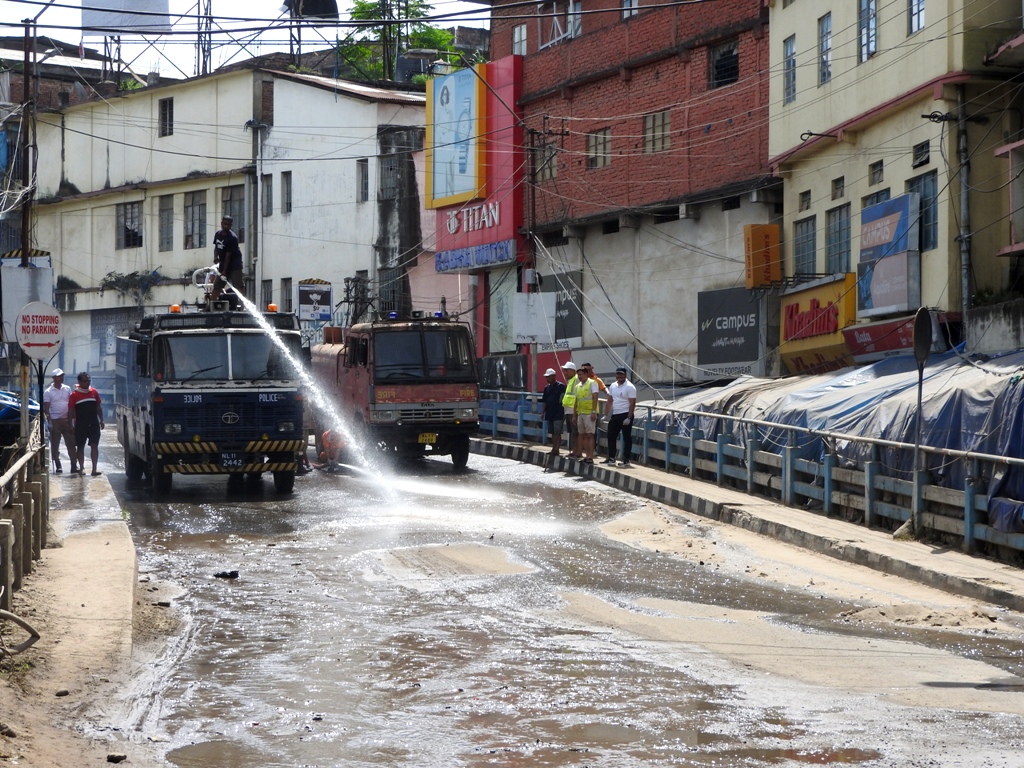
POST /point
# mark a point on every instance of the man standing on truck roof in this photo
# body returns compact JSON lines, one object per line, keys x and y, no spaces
{"x":228,"y":258}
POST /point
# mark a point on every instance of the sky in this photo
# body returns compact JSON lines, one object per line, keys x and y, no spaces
{"x":240,"y":30}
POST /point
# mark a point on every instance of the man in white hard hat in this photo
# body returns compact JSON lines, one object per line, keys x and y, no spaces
{"x":55,"y":409}
{"x":553,"y":412}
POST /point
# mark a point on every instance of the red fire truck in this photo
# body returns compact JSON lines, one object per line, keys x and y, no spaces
{"x":405,"y":386}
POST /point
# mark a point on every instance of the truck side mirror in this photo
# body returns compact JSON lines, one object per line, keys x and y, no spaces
{"x":142,"y":359}
{"x":364,"y":352}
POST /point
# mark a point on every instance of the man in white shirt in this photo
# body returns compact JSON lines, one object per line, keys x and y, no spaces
{"x":620,"y":407}
{"x":55,"y":409}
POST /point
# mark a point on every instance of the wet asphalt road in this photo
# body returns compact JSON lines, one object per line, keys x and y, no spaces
{"x":418,"y":618}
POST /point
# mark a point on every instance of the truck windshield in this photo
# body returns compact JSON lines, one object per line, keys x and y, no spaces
{"x":235,"y":356}
{"x":436,"y":354}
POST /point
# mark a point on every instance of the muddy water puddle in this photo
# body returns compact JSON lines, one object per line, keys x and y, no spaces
{"x":423,"y":620}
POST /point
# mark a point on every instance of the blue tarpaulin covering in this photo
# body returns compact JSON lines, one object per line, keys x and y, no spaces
{"x":967,"y":405}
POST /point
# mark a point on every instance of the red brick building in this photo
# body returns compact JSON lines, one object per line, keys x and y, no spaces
{"x":647,"y":139}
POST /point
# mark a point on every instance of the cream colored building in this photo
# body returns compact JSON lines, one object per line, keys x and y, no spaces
{"x":872,"y":100}
{"x":322,"y":177}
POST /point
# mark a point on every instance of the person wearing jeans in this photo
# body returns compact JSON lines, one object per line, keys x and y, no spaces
{"x":621,"y":405}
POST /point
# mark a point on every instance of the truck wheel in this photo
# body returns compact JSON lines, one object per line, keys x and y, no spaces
{"x":134,"y":467}
{"x":284,"y":481}
{"x":161,"y":479}
{"x":460,"y":452}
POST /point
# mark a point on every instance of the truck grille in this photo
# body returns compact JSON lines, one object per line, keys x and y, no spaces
{"x":231,"y":421}
{"x":427,"y":414}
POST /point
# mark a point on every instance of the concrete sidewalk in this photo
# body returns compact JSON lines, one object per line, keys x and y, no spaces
{"x":937,"y":566}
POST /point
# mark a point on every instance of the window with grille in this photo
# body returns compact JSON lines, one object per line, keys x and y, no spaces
{"x":804,"y":246}
{"x":519,"y":40}
{"x":838,"y":188}
{"x":927,"y":187}
{"x":267,"y":194}
{"x":825,"y":49}
{"x":546,"y":162}
{"x":725,"y":64}
{"x":166,"y":117}
{"x":286,"y":191}
{"x":875,"y":198}
{"x":129,"y":226}
{"x":915,"y":16}
{"x":389,"y":185}
{"x":837,"y":240}
{"x":805,"y":200}
{"x":166,"y":223}
{"x":362,"y":180}
{"x":867,"y":30}
{"x":286,"y":294}
{"x":195,"y":219}
{"x":876,"y":172}
{"x":232,"y":203}
{"x":599,"y":145}
{"x":789,"y":69}
{"x":657,"y":132}
{"x":922,"y":154}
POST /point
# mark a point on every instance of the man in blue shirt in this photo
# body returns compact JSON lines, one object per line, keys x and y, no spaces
{"x":553,"y":412}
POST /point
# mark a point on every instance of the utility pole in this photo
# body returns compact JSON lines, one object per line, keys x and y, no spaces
{"x":965,"y":198}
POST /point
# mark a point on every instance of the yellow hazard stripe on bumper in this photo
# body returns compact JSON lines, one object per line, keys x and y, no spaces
{"x":183,"y":447}
{"x":217,"y":469}
{"x":274,"y":446}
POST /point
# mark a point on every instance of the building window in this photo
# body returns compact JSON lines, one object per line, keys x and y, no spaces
{"x":286,"y":294}
{"x":267,"y":194}
{"x":725,"y":64}
{"x":546,"y":162}
{"x":574,"y":20}
{"x":837,"y":240}
{"x":876,"y":173}
{"x":927,"y":187}
{"x":825,"y":49}
{"x":551,"y":30}
{"x":915,"y":16}
{"x":599,"y":145}
{"x":789,"y":69}
{"x":266,"y":292}
{"x":731,"y":203}
{"x":922,"y":154}
{"x":389,"y":177}
{"x":519,"y":40}
{"x":875,"y":198}
{"x":839,"y":188}
{"x":867,"y":30}
{"x":804,"y":246}
{"x":630,"y":8}
{"x":232,"y":203}
{"x":166,"y":223}
{"x":286,"y":191}
{"x":362,"y":180}
{"x":129,"y":225}
{"x":166,"y":117}
{"x":195,"y":219}
{"x":805,"y":200}
{"x":657,"y":132}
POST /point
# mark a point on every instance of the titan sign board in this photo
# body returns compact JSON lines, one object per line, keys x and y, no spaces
{"x":475,"y":222}
{"x":889,"y":269}
{"x":456,"y":127}
{"x":729,"y":333}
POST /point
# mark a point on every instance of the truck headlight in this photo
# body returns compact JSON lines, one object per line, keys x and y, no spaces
{"x":172,"y":429}
{"x":467,"y":413}
{"x":383,"y":415}
{"x":286,"y":426}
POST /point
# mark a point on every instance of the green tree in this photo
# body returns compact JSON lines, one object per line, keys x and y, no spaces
{"x":372,"y":49}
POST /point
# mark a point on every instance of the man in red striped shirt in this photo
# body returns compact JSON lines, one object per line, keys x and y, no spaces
{"x":86,"y":413}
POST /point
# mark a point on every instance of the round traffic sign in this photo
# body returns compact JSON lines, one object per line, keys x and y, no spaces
{"x":39,"y":330}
